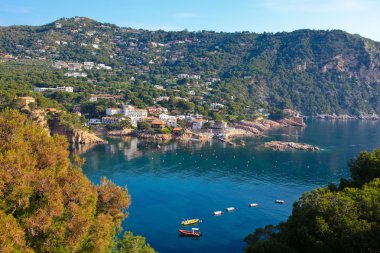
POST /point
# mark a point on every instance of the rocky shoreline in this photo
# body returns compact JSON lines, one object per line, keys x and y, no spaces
{"x":283,"y":146}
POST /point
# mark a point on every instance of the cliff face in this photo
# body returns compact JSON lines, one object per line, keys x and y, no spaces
{"x":54,"y":126}
{"x":76,"y":135}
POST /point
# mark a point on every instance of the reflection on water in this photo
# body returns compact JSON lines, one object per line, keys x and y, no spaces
{"x":176,"y":180}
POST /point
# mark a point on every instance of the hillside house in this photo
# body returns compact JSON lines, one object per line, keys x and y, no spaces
{"x":113,"y":111}
{"x":25,"y":101}
{"x":61,"y":89}
{"x":158,"y":124}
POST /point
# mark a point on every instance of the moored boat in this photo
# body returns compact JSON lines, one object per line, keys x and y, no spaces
{"x":280,"y":201}
{"x":217,"y":213}
{"x":190,"y":222}
{"x":231,"y":209}
{"x":253,"y":205}
{"x":192,"y":232}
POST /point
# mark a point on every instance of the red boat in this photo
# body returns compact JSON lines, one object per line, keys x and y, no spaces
{"x":193,"y":232}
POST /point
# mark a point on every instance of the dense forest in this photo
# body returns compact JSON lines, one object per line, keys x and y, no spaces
{"x":47,"y":204}
{"x":307,"y":70}
{"x":343,"y":218}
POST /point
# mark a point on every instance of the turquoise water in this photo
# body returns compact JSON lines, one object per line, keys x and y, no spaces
{"x":192,"y":180}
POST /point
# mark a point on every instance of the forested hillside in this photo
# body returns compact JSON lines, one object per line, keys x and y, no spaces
{"x":307,"y":70}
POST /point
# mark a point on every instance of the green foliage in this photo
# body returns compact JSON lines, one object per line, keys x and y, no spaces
{"x":133,"y":244}
{"x":307,"y":70}
{"x":126,"y":123}
{"x":331,"y":220}
{"x":46,"y":202}
{"x":166,"y":130}
{"x":145,"y":126}
{"x":365,"y":168}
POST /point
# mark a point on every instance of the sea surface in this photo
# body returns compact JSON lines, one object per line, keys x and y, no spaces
{"x":191,"y":180}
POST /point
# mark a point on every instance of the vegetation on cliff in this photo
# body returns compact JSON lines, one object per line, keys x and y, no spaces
{"x":344,"y":218}
{"x":46,"y":202}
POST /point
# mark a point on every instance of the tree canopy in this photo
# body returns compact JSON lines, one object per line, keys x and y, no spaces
{"x":46,"y":203}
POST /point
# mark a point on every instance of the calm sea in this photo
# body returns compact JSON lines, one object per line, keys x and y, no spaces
{"x":175,"y":181}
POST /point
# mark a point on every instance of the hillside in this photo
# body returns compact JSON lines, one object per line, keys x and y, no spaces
{"x":311,"y":71}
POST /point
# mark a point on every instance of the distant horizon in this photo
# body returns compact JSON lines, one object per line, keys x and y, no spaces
{"x":271,"y":16}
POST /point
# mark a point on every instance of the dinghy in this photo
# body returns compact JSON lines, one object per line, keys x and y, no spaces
{"x":192,"y":232}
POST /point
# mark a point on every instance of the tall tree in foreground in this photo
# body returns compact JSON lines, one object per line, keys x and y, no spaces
{"x":334,"y":219}
{"x":46,"y":203}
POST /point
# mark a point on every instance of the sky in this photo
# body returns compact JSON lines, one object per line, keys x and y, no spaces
{"x":354,"y":16}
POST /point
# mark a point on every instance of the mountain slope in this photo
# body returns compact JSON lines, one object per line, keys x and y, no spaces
{"x":311,"y":71}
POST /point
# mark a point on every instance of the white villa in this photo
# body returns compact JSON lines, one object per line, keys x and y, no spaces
{"x":63,"y":89}
{"x":113,"y":111}
{"x":170,"y":120}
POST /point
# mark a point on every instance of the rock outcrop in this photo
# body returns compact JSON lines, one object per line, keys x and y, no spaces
{"x":155,"y":137}
{"x":283,"y":145}
{"x":124,"y":132}
{"x":77,"y":136}
{"x":258,"y":127}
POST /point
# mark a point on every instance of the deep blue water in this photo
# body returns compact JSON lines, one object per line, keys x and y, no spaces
{"x":192,"y":180}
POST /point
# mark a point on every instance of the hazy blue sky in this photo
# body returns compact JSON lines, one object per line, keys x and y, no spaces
{"x":354,"y":16}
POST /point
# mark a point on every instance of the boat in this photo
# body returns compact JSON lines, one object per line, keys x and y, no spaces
{"x":190,"y":222}
{"x":280,"y":201}
{"x":231,"y":209}
{"x":253,"y":205}
{"x":218,"y":213}
{"x":192,"y":232}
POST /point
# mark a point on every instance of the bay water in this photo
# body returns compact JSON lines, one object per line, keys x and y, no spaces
{"x":171,"y":182}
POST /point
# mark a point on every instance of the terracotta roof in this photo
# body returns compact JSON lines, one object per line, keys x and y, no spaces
{"x":158,"y":122}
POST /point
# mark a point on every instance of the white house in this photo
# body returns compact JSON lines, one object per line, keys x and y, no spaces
{"x":170,"y":120}
{"x":75,"y":74}
{"x":216,"y":106}
{"x":135,"y":115}
{"x":88,"y":65}
{"x":74,"y":66}
{"x":110,"y":120}
{"x":183,"y":76}
{"x":113,"y":111}
{"x":197,"y":124}
{"x":94,"y":121}
{"x":63,"y":89}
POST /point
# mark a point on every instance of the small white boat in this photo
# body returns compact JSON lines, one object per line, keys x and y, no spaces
{"x":217,"y":213}
{"x":280,"y":201}
{"x":253,"y":205}
{"x":231,"y":209}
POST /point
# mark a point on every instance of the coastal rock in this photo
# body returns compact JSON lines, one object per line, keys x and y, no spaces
{"x":293,"y":121}
{"x":76,"y":135}
{"x":155,"y":137}
{"x":124,"y":132}
{"x":282,"y":146}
